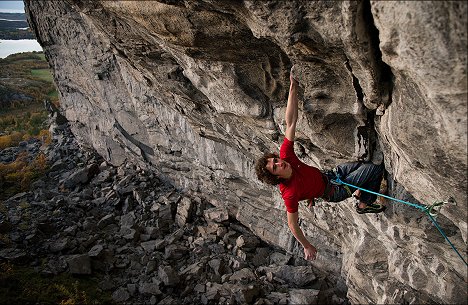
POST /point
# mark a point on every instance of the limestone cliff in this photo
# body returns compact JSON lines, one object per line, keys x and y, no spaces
{"x":196,"y":91}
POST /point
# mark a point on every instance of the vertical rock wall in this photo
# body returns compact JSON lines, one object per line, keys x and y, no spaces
{"x":196,"y":90}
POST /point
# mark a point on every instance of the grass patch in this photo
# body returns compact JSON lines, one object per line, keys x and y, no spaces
{"x":43,"y":74}
{"x":41,"y":56}
{"x":23,"y":285}
{"x":53,"y":95}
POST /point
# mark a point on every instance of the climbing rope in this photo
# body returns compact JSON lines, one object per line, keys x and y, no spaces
{"x":430,"y":210}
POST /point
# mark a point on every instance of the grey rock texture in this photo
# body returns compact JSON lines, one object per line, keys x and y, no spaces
{"x":196,"y":90}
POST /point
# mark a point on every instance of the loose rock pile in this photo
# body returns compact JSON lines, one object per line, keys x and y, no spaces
{"x":147,"y":242}
{"x":31,"y":147}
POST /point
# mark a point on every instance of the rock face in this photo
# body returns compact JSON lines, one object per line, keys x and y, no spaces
{"x":196,"y":90}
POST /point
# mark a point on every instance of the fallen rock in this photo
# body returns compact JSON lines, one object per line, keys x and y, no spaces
{"x":79,"y":264}
{"x":105,"y":221}
{"x":59,"y":245}
{"x":247,"y":242}
{"x":216,"y":214}
{"x":95,"y":251}
{"x":217,"y":266}
{"x":184,"y":211}
{"x":152,"y":245}
{"x":298,"y":276}
{"x":80,"y":176}
{"x":244,"y":275}
{"x":246,"y":294}
{"x":175,"y":252}
{"x":212,"y":293}
{"x":149,"y":288}
{"x":303,"y":296}
{"x":120,"y":295}
{"x":168,"y":276}
{"x":128,"y":220}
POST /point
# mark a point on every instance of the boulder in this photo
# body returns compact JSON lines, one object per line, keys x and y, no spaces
{"x":152,"y":245}
{"x":168,"y":275}
{"x":149,"y":288}
{"x":244,"y":275}
{"x":247,"y":294}
{"x":95,"y":251}
{"x":79,"y":264}
{"x":185,"y":211}
{"x":247,"y":242}
{"x":299,"y":276}
{"x":80,"y":176}
{"x":216,"y":214}
{"x":128,"y":220}
{"x":120,"y":295}
{"x":303,"y":296}
{"x":106,"y":220}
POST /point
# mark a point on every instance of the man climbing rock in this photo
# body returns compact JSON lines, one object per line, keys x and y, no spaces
{"x":298,"y":181}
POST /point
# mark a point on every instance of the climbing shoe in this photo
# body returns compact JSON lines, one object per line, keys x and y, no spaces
{"x":370,"y":208}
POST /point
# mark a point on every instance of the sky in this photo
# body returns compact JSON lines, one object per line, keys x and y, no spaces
{"x":11,"y":6}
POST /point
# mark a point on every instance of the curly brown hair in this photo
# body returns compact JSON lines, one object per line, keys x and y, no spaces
{"x":263,"y":174}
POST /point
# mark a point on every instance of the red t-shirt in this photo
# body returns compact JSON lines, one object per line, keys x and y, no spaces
{"x":305,"y":183}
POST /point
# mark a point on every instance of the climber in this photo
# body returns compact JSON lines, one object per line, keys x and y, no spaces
{"x":298,"y":181}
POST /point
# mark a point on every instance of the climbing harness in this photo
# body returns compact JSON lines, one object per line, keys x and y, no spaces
{"x":430,"y":210}
{"x":334,"y":173}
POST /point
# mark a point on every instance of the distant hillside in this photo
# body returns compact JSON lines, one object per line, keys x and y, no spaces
{"x":25,"y":78}
{"x":13,"y":16}
{"x":14,"y":26}
{"x":26,"y":82}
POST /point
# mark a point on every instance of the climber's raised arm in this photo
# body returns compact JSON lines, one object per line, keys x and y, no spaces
{"x":291,"y":110}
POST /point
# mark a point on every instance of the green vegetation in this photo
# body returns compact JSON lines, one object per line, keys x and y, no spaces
{"x":23,"y":285}
{"x":26,"y":83}
{"x":25,"y":123}
{"x":43,"y":74}
{"x":17,"y":176}
{"x":53,"y":95}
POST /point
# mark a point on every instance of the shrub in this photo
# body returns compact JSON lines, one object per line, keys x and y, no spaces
{"x":36,"y":119}
{"x":23,"y":285}
{"x":17,"y":176}
{"x":44,"y":136}
{"x":12,"y":139}
{"x":5,"y":141}
{"x":74,"y":297}
{"x":39,"y":164}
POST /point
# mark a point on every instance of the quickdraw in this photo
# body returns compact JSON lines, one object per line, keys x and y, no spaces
{"x":434,"y":208}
